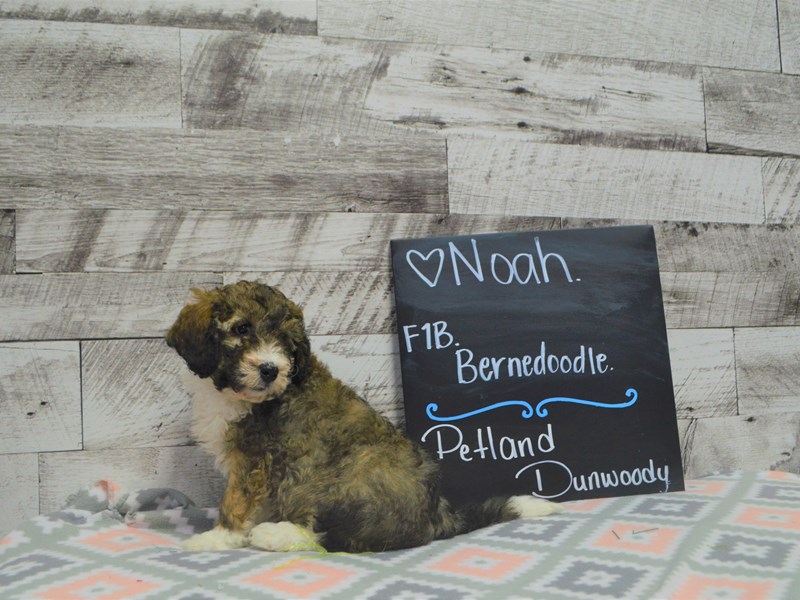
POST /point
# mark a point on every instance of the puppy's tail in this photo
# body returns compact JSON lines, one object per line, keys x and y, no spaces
{"x":463,"y":519}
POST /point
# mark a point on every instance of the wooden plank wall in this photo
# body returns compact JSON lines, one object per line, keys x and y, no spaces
{"x":147,"y":147}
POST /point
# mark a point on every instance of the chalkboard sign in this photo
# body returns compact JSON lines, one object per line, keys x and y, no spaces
{"x":537,"y":362}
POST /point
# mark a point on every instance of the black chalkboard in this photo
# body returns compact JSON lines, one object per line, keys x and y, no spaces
{"x":537,"y":362}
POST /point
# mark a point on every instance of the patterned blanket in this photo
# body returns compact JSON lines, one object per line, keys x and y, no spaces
{"x":729,"y":536}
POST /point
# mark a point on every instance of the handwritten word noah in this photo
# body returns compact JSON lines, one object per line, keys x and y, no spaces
{"x":521,"y":269}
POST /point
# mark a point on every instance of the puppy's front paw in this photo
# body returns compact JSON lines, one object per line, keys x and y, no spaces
{"x":529,"y":507}
{"x":283,"y":537}
{"x":218,"y":538}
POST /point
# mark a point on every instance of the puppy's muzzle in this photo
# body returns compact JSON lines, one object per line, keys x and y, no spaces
{"x":268,"y":372}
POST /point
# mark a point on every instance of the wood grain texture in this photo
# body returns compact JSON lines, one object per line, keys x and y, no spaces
{"x":746,"y":443}
{"x":133,"y":395}
{"x":789,"y":21}
{"x":7,"y":246}
{"x":782,"y":190}
{"x":283,"y":16}
{"x":344,"y":302}
{"x":19,"y":489}
{"x":188,"y":468}
{"x":68,"y":306}
{"x":149,"y":240}
{"x":40,"y":397}
{"x":213,"y":170}
{"x":768,"y":370}
{"x":335,"y":87}
{"x":752,"y":113}
{"x":541,"y":97}
{"x":714,"y":299}
{"x":278,"y":83}
{"x":89,"y":75}
{"x":730,"y":33}
{"x":703,"y":372}
{"x":490,"y":176}
{"x":723,"y":247}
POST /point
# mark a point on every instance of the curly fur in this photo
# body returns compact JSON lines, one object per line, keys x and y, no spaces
{"x":302,"y":447}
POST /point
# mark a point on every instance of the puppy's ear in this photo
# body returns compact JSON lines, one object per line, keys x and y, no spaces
{"x":194,"y":337}
{"x":301,"y":361}
{"x":298,"y":340}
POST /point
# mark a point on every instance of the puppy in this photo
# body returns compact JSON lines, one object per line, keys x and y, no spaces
{"x":309,"y":463}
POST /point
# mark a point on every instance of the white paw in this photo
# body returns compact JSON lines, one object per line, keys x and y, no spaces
{"x":283,"y":537}
{"x":218,"y":538}
{"x":529,"y":507}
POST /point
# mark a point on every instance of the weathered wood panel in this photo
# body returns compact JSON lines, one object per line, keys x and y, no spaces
{"x":344,"y":302}
{"x":490,"y":176}
{"x":188,"y":468}
{"x":133,"y":395}
{"x":284,"y":83}
{"x":98,"y":168}
{"x":541,"y":97}
{"x":278,"y":83}
{"x":731,"y":33}
{"x":7,"y":229}
{"x":714,"y":299}
{"x":789,"y":21}
{"x":768,"y":370}
{"x":40,"y":397}
{"x":83,"y":74}
{"x":147,"y":240}
{"x":752,"y":113}
{"x":725,"y":247}
{"x":755,"y":443}
{"x":67,"y":306}
{"x":293,"y":16}
{"x":703,"y":372}
{"x":19,"y":489}
{"x":782,"y":190}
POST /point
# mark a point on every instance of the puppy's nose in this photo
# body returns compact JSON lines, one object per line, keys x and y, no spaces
{"x":268,"y":372}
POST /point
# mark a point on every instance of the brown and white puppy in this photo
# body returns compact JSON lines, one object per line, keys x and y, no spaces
{"x":308,"y":462}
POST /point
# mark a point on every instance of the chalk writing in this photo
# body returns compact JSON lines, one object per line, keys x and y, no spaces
{"x":520,"y":269}
{"x":449,"y":439}
{"x":488,"y":368}
{"x":436,"y":335}
{"x":553,"y":478}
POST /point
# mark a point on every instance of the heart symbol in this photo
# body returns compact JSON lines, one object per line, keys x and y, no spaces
{"x":424,"y":258}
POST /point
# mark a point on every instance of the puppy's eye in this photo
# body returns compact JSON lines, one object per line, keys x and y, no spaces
{"x":241,"y":329}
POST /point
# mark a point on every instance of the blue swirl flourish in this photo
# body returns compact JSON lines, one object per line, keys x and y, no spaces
{"x":630,"y":393}
{"x":527,"y":413}
{"x":528,"y":410}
